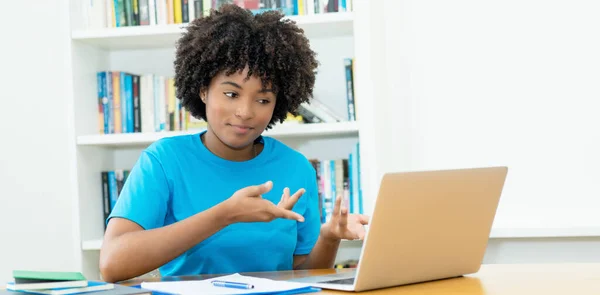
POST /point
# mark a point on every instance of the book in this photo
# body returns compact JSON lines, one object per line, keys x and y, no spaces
{"x":28,"y":276}
{"x":36,"y":280}
{"x":92,"y":286}
{"x":45,"y":285}
{"x":116,"y":290}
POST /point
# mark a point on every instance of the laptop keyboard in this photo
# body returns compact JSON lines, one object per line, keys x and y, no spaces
{"x":349,"y":281}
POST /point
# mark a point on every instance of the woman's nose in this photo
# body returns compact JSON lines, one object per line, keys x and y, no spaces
{"x":244,"y":111}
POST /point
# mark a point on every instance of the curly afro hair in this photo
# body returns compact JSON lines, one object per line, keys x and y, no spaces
{"x":231,"y":38}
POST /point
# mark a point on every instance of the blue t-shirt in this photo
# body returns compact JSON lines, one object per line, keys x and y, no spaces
{"x":178,"y":177}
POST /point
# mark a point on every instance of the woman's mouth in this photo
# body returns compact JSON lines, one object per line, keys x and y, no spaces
{"x":241,"y":129}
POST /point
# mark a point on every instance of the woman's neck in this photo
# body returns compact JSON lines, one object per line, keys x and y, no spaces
{"x":217,"y":147}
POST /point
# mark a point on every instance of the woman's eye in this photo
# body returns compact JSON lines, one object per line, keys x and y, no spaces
{"x":231,"y":94}
{"x":264,"y":101}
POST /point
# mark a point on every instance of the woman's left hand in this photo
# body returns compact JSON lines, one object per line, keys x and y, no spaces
{"x":343,"y":225}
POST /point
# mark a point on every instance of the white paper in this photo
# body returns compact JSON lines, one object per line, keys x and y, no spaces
{"x":205,"y":286}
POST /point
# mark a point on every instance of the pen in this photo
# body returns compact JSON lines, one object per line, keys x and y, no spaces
{"x":232,"y":285}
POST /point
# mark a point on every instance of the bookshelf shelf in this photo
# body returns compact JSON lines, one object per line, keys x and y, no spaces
{"x":91,"y":245}
{"x":165,"y":36}
{"x":279,"y":131}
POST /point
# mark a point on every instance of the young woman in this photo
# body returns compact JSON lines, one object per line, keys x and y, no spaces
{"x":221,"y":201}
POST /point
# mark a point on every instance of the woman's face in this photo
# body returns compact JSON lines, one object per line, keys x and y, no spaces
{"x":238,"y":110}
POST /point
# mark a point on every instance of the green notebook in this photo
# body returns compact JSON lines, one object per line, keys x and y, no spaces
{"x":45,"y":276}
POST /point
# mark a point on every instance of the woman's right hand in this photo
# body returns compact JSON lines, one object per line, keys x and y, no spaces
{"x":247,"y":205}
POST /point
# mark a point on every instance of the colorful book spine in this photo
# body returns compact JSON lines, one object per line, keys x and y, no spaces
{"x":359,"y":193}
{"x":351,"y":179}
{"x":177,"y":13}
{"x":102,"y":112}
{"x":108,"y":109}
{"x":144,"y":12}
{"x":127,"y":102}
{"x":198,"y":10}
{"x":136,"y":12}
{"x":122,"y":14}
{"x":106,"y":204}
{"x":157,"y":101}
{"x":128,"y":12}
{"x":112,"y":186}
{"x":123,"y":99}
{"x":137,"y":120}
{"x":333,"y":192}
{"x":116,"y":105}
{"x":349,"y":89}
{"x":147,"y":103}
{"x":116,"y":14}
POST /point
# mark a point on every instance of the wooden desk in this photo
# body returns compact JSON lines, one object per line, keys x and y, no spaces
{"x":492,"y":279}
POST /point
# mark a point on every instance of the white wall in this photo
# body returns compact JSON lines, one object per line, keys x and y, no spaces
{"x":36,"y":227}
{"x":516,"y":83}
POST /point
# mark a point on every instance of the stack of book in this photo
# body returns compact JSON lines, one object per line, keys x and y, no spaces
{"x":63,"y":283}
{"x":112,"y":184}
{"x":126,"y":13}
{"x":130,"y":103}
{"x":339,"y":177}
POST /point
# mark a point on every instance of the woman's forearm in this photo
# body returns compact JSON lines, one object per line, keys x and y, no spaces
{"x":322,"y":255}
{"x":135,"y":253}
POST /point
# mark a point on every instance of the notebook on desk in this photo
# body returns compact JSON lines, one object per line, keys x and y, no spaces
{"x":426,"y":225}
{"x":207,"y":287}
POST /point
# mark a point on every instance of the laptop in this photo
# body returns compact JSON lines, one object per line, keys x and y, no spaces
{"x":425,"y":226}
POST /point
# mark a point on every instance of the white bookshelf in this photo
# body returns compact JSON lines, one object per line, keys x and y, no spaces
{"x":282,"y":132}
{"x":150,"y":49}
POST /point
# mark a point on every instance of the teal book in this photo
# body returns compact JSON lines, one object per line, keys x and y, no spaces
{"x":28,"y":276}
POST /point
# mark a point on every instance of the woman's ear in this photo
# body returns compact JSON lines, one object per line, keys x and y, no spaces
{"x":203,"y":95}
